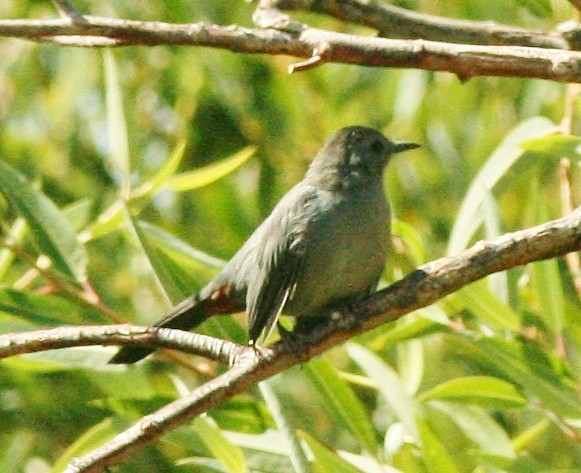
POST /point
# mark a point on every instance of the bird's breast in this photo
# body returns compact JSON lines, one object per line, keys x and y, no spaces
{"x":346,"y":247}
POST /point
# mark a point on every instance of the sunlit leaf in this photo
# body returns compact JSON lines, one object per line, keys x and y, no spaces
{"x":212,"y":172}
{"x":410,"y":364}
{"x":530,"y":435}
{"x":479,"y":390}
{"x":50,"y":229}
{"x":164,"y":173}
{"x":556,"y":145}
{"x":116,"y":124}
{"x":107,"y":222}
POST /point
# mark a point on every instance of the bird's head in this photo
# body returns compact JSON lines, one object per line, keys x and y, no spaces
{"x":354,"y":156}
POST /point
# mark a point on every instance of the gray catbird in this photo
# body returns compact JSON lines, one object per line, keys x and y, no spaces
{"x":324,"y":243}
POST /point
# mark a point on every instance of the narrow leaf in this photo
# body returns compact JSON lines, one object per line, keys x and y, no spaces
{"x":223,"y":450}
{"x":327,"y":461}
{"x":344,"y":405}
{"x":388,"y":384}
{"x":162,"y":270}
{"x":147,"y":189}
{"x":545,"y":275}
{"x":116,"y":124}
{"x":521,"y":367}
{"x":508,"y":152}
{"x":480,"y":428}
{"x":210,"y":173}
{"x":481,"y":390}
{"x":481,"y":302}
{"x":556,"y":145}
{"x":435,"y":456}
{"x":91,"y":439}
{"x":49,"y":228}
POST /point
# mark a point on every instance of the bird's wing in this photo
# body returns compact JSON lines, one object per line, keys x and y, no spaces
{"x":280,"y":256}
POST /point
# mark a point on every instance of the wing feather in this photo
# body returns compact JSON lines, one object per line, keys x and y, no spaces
{"x":279,"y":262}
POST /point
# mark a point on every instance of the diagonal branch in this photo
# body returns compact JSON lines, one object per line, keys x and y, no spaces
{"x":396,"y":22}
{"x":423,"y":287}
{"x":466,"y":61}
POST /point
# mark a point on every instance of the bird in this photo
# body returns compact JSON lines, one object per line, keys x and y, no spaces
{"x":324,"y":244}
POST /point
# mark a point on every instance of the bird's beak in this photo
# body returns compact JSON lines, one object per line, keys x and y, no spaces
{"x":400,"y":146}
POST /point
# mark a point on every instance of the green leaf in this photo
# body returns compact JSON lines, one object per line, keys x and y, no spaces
{"x":410,"y":364}
{"x":342,"y":402}
{"x":498,"y":282}
{"x":223,"y":450}
{"x":91,"y":439}
{"x":44,"y":310}
{"x":327,"y":461}
{"x":492,"y":441}
{"x":436,"y":458}
{"x":388,"y":384}
{"x":164,"y":270}
{"x":546,"y":279}
{"x":148,"y":188}
{"x":520,"y":366}
{"x":15,"y":235}
{"x":410,"y":327}
{"x":539,"y":8}
{"x":555,"y":145}
{"x":283,"y":422}
{"x":484,"y":391}
{"x":530,"y":435}
{"x":51,"y":231}
{"x":506,"y":154}
{"x":212,"y":172}
{"x":481,"y":302}
{"x":107,"y":222}
{"x":116,"y":124}
{"x":412,"y":239}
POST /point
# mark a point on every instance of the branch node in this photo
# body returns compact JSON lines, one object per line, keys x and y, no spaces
{"x":319,"y":57}
{"x":266,"y":17}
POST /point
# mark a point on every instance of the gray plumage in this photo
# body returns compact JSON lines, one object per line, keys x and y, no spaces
{"x":325,"y":242}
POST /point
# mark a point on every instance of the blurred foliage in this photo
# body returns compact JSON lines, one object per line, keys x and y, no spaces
{"x":163,"y":160}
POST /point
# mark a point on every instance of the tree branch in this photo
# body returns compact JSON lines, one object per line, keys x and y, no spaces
{"x":423,"y":287}
{"x":64,"y":337}
{"x":466,"y":61}
{"x":396,"y":22}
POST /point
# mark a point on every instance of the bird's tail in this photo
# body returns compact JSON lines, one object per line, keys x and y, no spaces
{"x":186,"y":315}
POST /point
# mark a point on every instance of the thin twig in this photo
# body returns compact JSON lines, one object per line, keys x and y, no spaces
{"x":67,"y":10}
{"x":466,"y":61}
{"x":421,"y":288}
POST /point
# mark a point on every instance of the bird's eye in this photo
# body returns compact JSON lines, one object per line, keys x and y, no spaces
{"x":376,"y":146}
